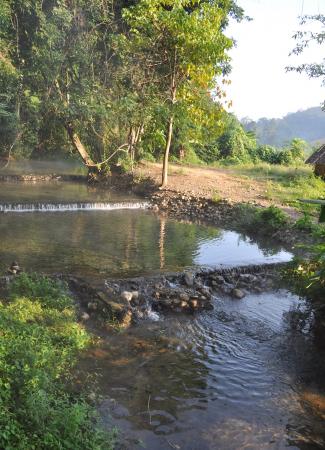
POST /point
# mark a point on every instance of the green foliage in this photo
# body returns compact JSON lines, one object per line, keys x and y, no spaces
{"x":105,"y":69}
{"x":271,"y":219}
{"x":309,"y":274}
{"x":39,"y":342}
{"x":304,"y":39}
{"x":261,"y":221}
{"x":235,"y":144}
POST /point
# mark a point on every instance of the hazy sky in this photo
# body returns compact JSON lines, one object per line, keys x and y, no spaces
{"x":260,"y":85}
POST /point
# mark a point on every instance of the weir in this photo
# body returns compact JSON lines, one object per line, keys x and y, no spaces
{"x":63,"y":207}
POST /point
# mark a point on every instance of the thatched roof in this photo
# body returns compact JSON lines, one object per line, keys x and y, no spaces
{"x":318,"y":157}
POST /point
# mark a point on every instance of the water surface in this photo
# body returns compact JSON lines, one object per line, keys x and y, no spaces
{"x":237,"y":377}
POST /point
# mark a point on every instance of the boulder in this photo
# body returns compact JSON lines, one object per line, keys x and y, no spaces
{"x":189,"y":278}
{"x":238,"y":293}
{"x":184,"y":297}
{"x":127,"y":296}
{"x":218,"y":279}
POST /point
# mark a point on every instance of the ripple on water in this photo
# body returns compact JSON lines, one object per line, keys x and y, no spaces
{"x":212,"y":381}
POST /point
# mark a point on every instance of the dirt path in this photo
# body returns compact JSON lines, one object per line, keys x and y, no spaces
{"x":213,"y":183}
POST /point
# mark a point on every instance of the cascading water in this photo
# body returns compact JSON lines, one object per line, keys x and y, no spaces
{"x":62,"y":207}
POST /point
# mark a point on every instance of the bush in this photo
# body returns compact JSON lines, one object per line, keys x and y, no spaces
{"x":271,"y":218}
{"x":39,"y":342}
{"x":309,"y":274}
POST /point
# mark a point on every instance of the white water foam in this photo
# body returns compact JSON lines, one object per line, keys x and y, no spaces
{"x":63,"y":207}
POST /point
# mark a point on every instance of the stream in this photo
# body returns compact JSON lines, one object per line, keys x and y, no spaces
{"x":243,"y":375}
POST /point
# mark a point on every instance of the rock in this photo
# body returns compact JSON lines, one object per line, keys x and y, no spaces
{"x":126,"y":319}
{"x":126,"y":295}
{"x":85,"y":316}
{"x":135,"y":295}
{"x":247,"y":278}
{"x":258,"y":289}
{"x":206,"y":292}
{"x":92,"y":306}
{"x":218,"y":279}
{"x":184,"y":297}
{"x":189,"y":278}
{"x":237,"y":293}
{"x":227,"y":288}
{"x":193,"y":303}
{"x":14,"y":268}
{"x":115,"y":309}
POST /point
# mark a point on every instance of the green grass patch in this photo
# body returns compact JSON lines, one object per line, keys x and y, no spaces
{"x":40,"y":340}
{"x":264,"y":171}
{"x":285,"y":184}
{"x":308,"y":275}
{"x":262,"y":221}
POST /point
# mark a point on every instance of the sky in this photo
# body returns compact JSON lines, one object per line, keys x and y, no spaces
{"x":260,"y":85}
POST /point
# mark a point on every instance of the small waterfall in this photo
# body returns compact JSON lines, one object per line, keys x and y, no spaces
{"x":62,"y":207}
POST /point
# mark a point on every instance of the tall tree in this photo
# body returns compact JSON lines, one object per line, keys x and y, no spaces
{"x":184,"y":49}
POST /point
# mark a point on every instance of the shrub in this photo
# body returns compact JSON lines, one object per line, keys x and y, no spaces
{"x":271,"y":219}
{"x":39,"y":343}
{"x":309,"y":274}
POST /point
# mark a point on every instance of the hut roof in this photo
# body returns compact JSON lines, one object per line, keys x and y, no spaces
{"x":318,"y":157}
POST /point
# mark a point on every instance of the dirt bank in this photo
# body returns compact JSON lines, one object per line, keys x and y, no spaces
{"x":213,"y":183}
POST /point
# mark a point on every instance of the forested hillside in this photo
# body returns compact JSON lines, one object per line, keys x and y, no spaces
{"x":308,"y":125}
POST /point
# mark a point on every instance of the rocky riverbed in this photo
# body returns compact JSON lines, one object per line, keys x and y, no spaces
{"x":223,"y":213}
{"x":127,"y":301}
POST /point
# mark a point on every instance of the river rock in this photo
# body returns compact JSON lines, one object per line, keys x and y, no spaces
{"x":218,"y":279}
{"x":126,"y":295}
{"x":92,"y":306}
{"x":189,"y":278}
{"x":184,"y":297}
{"x":247,"y":278}
{"x":193,"y":304}
{"x":238,"y":293}
{"x":226,"y":288}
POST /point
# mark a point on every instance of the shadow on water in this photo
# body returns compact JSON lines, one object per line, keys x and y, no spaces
{"x":228,"y":379}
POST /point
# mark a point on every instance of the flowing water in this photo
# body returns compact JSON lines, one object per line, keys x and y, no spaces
{"x":240,"y":376}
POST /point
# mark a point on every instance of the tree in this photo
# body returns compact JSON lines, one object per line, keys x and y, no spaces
{"x":304,"y":40}
{"x":184,"y":50}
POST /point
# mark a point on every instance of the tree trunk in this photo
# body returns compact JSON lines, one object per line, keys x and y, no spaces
{"x":173,"y":89}
{"x":74,"y":138}
{"x":166,"y":154}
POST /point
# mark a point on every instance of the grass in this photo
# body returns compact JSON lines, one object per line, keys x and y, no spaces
{"x":272,"y":172}
{"x":288,"y":191}
{"x":40,"y":341}
{"x":285,"y":185}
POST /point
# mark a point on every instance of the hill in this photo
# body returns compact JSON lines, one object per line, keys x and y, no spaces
{"x":308,"y":124}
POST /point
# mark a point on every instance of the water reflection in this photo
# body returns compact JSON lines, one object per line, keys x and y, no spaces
{"x":119,"y":243}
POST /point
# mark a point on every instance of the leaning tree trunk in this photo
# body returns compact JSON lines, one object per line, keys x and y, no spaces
{"x":166,"y":154}
{"x":77,"y":144}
